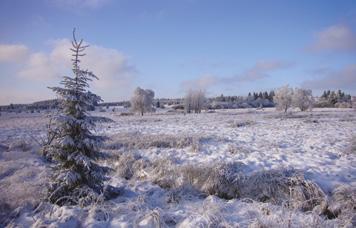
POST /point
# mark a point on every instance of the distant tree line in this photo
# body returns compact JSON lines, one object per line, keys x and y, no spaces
{"x":36,"y":106}
{"x":334,"y":99}
{"x":329,"y":98}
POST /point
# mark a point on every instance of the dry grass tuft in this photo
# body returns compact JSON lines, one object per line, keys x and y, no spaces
{"x":227,"y":181}
{"x":241,"y":123}
{"x":342,"y":204}
{"x":20,"y":145}
{"x":138,"y":141}
{"x":282,"y":187}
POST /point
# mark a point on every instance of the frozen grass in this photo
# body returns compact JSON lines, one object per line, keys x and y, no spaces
{"x":139,"y":141}
{"x":22,"y":180}
{"x":343,"y":204}
{"x":227,"y":181}
{"x":100,"y":119}
{"x":240,"y":123}
{"x":240,"y":177}
{"x":353,"y":145}
{"x":20,"y":145}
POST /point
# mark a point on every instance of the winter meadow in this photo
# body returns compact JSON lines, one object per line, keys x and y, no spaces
{"x":188,"y":135}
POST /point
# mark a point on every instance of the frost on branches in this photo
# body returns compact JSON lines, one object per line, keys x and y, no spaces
{"x":303,"y":99}
{"x":283,"y":98}
{"x":77,"y":178}
{"x":194,"y":101}
{"x":142,"y":100}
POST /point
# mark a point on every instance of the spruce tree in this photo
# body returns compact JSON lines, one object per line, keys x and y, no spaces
{"x":77,"y":178}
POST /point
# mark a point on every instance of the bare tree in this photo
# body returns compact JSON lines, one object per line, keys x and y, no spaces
{"x":194,"y":101}
{"x":283,"y":98}
{"x":303,"y":99}
{"x":188,"y":101}
{"x":142,"y":100}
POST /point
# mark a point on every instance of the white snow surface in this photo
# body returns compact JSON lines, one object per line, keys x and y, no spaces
{"x":319,"y":143}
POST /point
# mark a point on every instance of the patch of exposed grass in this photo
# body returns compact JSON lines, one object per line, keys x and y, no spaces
{"x":227,"y":181}
{"x":139,"y":141}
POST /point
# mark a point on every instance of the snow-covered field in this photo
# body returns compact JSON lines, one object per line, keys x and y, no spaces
{"x":237,"y":168}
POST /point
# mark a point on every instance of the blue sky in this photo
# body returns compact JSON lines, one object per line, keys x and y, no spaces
{"x":230,"y":47}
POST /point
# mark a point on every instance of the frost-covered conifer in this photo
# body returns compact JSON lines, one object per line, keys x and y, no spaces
{"x":77,"y":178}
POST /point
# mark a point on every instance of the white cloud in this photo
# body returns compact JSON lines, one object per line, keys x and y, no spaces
{"x":334,"y":38}
{"x":112,"y":68}
{"x":13,"y":52}
{"x":344,"y":78}
{"x":38,"y":68}
{"x":46,"y":68}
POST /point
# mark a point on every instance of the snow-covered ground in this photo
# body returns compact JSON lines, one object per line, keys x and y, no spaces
{"x":320,"y":145}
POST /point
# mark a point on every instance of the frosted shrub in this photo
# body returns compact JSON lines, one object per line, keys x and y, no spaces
{"x":303,"y":99}
{"x":194,"y":101}
{"x":283,"y":98}
{"x":142,"y":101}
{"x":77,"y":178}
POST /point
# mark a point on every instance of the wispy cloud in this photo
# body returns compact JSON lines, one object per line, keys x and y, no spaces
{"x":261,"y":70}
{"x":13,"y":52}
{"x":344,"y":78}
{"x":203,"y":82}
{"x":334,"y":38}
{"x":92,"y":4}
